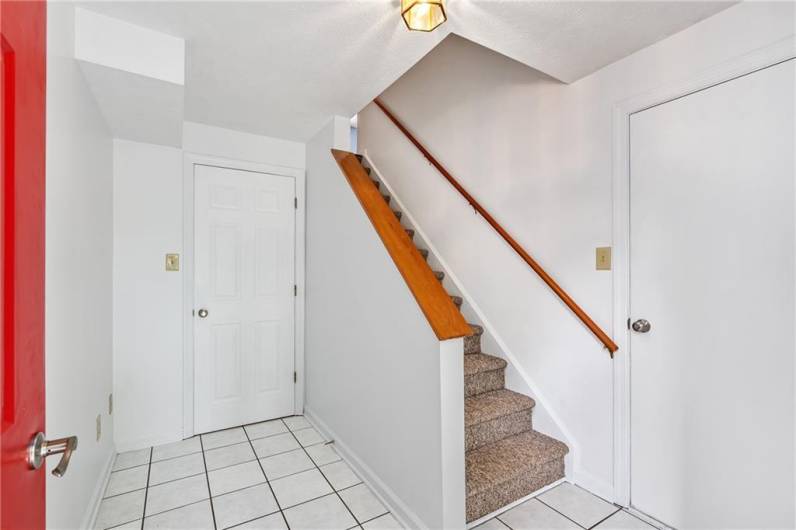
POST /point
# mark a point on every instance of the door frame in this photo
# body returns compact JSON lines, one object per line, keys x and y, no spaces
{"x":775,"y":53}
{"x":189,"y":161}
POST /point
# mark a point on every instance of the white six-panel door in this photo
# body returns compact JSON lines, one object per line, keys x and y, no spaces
{"x":712,"y":270}
{"x":244,"y":297}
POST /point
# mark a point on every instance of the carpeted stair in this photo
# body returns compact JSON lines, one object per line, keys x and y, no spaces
{"x":506,"y":459}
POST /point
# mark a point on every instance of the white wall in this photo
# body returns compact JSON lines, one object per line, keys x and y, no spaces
{"x":78,"y":278}
{"x":537,"y":154}
{"x":377,"y":380}
{"x":148,"y":310}
{"x":147,"y":302}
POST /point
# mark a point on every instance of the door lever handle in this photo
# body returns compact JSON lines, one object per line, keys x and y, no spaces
{"x":40,"y":448}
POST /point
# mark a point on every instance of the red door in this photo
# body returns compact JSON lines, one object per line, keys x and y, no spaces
{"x":22,"y":123}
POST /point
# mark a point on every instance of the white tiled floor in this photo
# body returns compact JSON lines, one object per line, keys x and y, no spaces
{"x":273,"y":475}
{"x":565,"y":507}
{"x":281,"y":475}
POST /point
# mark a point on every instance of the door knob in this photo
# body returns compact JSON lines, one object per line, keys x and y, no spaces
{"x":40,"y":448}
{"x":641,"y":326}
{"x":203,"y":313}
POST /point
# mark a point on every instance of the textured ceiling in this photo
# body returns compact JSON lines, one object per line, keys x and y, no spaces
{"x":282,"y":68}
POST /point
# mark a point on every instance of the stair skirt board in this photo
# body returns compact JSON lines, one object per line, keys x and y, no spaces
{"x":514,"y":504}
{"x":505,"y":458}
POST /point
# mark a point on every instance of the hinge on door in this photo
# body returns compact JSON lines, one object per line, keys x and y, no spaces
{"x":628,"y":323}
{"x":295,"y":202}
{"x":295,"y":377}
{"x":295,"y":290}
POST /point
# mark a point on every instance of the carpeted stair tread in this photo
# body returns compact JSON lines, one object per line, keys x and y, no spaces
{"x":492,"y":405}
{"x":494,"y":464}
{"x":472,"y":343}
{"x":481,"y":362}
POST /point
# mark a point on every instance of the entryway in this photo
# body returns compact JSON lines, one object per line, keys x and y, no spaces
{"x":244,"y":296}
{"x":712,"y":304}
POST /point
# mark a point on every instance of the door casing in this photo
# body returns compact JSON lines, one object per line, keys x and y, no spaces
{"x":189,"y":161}
{"x":776,"y":53}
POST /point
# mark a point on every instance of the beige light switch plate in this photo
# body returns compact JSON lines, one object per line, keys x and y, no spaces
{"x":603,"y":258}
{"x":172,"y":262}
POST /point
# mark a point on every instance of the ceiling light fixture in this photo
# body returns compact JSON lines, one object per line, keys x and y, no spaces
{"x":423,"y":15}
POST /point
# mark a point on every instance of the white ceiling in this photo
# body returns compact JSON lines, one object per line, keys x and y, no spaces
{"x":282,"y":68}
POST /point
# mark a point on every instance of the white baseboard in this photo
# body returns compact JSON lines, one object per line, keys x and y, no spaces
{"x":589,"y":482}
{"x":515,"y":503}
{"x":405,"y":516}
{"x":90,"y":516}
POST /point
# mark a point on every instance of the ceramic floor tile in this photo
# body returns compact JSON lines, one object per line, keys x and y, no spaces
{"x":492,"y":524}
{"x":308,"y":437}
{"x":235,"y":477}
{"x":295,"y":423}
{"x":121,"y":509}
{"x":534,"y":515}
{"x":181,"y":448}
{"x":266,"y":428}
{"x":192,"y":517}
{"x":578,"y":504}
{"x":362,"y":502}
{"x":323,"y":454}
{"x":176,"y":493}
{"x":127,"y":480}
{"x":222,"y":438}
{"x":280,"y":443}
{"x":624,"y":521}
{"x":132,"y":525}
{"x":229,"y":455}
{"x":131,"y":459}
{"x":340,"y":475}
{"x":274,"y":521}
{"x":300,"y":487}
{"x":388,"y":522}
{"x":326,"y":513}
{"x":284,"y":464}
{"x":176,"y":468}
{"x":243,"y":505}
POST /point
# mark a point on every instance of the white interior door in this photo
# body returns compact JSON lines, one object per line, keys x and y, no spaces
{"x":244,"y":281}
{"x":712,"y":270}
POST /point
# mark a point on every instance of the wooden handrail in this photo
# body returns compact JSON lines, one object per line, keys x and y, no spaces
{"x":570,"y":303}
{"x":442,"y":314}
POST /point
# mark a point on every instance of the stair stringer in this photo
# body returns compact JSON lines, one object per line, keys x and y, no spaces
{"x":545,"y":419}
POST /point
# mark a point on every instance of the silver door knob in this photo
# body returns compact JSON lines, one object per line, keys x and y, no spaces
{"x":641,"y":326}
{"x":203,"y":313}
{"x":40,"y":448}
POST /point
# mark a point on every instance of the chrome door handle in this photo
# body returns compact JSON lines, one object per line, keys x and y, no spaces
{"x":202,"y":313}
{"x":40,"y":448}
{"x":641,"y":326}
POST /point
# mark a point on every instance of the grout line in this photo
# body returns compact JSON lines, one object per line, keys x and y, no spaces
{"x":559,"y":513}
{"x":271,"y":488}
{"x":326,"y":479}
{"x":255,"y":519}
{"x":146,"y":491}
{"x":601,"y":521}
{"x":178,"y":507}
{"x":207,"y":479}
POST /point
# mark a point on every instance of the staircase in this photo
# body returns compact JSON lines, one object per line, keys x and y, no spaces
{"x":505,"y":458}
